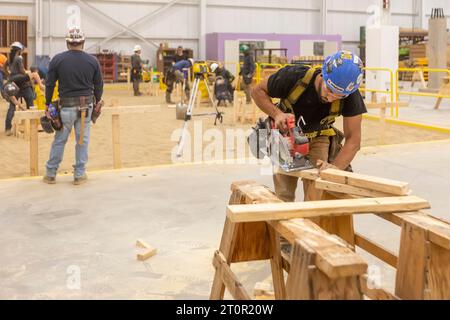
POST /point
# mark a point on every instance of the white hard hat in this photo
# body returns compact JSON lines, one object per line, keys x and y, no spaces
{"x":18,"y":45}
{"x":192,"y":61}
{"x":75,"y":35}
{"x":214,"y":66}
{"x":137,"y":48}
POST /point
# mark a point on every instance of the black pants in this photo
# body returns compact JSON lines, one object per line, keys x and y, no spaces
{"x":136,"y":86}
{"x":135,"y":77}
{"x":25,"y":93}
{"x":177,"y":77}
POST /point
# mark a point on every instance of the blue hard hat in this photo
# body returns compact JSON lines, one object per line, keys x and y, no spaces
{"x":342,"y":72}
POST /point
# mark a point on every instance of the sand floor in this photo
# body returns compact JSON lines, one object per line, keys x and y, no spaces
{"x":149,"y":139}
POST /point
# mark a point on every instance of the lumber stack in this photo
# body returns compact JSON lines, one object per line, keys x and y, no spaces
{"x":322,"y":263}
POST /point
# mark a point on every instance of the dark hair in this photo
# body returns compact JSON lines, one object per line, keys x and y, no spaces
{"x":33,"y":69}
{"x":13,"y":54}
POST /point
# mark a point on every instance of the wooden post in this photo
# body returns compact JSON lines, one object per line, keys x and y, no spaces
{"x":34,"y":156}
{"x":423,"y":263}
{"x":276,"y":262}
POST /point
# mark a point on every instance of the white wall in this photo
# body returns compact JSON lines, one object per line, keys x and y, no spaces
{"x":180,"y":24}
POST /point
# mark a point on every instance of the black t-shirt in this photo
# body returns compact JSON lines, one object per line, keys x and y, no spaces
{"x":19,"y":79}
{"x":78,"y":73}
{"x":180,"y":57}
{"x":309,"y":105}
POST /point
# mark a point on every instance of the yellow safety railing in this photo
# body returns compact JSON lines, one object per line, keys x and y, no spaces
{"x":413,"y":93}
{"x":391,"y":89}
{"x":261,"y":66}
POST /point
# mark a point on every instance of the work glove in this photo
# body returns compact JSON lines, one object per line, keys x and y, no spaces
{"x":97,"y":111}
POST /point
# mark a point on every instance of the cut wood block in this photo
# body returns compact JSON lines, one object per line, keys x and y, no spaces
{"x":150,"y":252}
{"x":347,"y":189}
{"x":368,"y":182}
{"x":310,"y":174}
{"x":333,"y":255}
{"x":142,"y":244}
{"x":310,"y":209}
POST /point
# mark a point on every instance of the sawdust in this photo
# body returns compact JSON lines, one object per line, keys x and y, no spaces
{"x":148,"y":139}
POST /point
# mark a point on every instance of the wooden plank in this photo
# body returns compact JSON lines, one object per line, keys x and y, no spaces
{"x":28,"y":114}
{"x":334,"y":257}
{"x":412,"y":261}
{"x":367,"y":182}
{"x":310,"y":209}
{"x":130,"y":109}
{"x":376,"y":250}
{"x":252,"y":242}
{"x":276,"y":264}
{"x":298,"y":284}
{"x":230,"y":280}
{"x":347,"y":288}
{"x":226,"y":249}
{"x":251,"y":239}
{"x":34,"y":148}
{"x":36,"y":114}
{"x":142,"y":244}
{"x":310,"y":174}
{"x":438,"y":275}
{"x":342,"y":226}
{"x":117,"y":161}
{"x":438,"y":231}
{"x":307,"y":282}
{"x":347,"y":189}
{"x":375,"y":293}
{"x":150,"y":252}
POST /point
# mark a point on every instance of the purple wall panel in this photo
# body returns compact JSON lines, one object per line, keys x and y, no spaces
{"x":215,"y":42}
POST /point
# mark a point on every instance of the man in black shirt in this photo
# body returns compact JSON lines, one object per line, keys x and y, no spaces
{"x":180,"y":55}
{"x":331,"y":91}
{"x":80,"y":87}
{"x":136,"y":69}
{"x":247,"y":72}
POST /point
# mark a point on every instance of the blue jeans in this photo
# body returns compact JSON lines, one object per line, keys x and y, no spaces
{"x":69,"y":117}
{"x":26,"y":93}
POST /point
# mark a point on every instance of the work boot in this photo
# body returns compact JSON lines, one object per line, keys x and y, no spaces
{"x":80,"y":180}
{"x":49,"y":180}
{"x":168,"y":98}
{"x":8,"y":132}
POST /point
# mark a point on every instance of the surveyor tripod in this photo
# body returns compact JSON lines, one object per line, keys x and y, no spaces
{"x":194,"y":93}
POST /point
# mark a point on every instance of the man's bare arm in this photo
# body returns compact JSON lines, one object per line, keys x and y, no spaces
{"x":264,"y":102}
{"x":352,"y":144}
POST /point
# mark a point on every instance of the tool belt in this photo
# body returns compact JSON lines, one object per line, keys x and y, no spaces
{"x":324,"y":132}
{"x":70,"y":102}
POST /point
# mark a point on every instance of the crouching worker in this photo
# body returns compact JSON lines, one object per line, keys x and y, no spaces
{"x":223,"y":86}
{"x":319,"y":96}
{"x":176,"y":75}
{"x":80,"y":88}
{"x":222,"y":92}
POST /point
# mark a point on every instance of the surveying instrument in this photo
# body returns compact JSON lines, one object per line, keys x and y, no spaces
{"x":198,"y":76}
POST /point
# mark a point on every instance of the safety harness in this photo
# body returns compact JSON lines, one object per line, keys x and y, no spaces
{"x":325,"y":128}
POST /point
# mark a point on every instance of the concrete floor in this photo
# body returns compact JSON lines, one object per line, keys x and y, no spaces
{"x":421,"y":109}
{"x":50,"y":232}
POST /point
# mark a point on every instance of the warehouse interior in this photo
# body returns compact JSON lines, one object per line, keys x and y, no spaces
{"x":176,"y":204}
